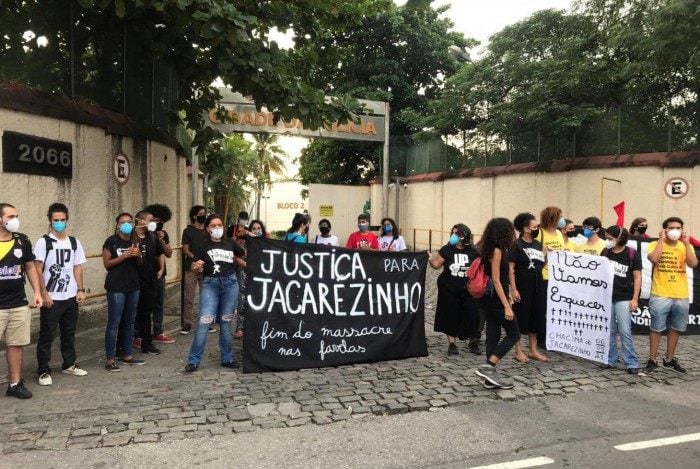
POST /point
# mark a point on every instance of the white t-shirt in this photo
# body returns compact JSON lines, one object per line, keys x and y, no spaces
{"x":58,"y":266}
{"x":385,"y":243}
{"x":332,"y":240}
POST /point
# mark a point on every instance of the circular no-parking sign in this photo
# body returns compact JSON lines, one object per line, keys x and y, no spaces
{"x":676,"y":188}
{"x":121,"y":168}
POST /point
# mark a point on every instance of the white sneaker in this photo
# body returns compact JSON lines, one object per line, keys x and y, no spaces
{"x":75,"y":371}
{"x":45,"y":379}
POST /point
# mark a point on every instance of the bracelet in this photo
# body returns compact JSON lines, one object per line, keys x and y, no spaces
{"x":81,"y":290}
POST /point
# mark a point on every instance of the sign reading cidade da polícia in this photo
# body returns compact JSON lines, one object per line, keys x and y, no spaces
{"x":244,"y":117}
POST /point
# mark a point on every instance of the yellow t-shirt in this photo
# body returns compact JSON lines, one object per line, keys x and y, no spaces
{"x":670,"y":278}
{"x":555,"y":241}
{"x":568,"y":244}
{"x":587,"y":248}
{"x":5,"y":247}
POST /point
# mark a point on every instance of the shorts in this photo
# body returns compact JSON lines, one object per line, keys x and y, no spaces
{"x":15,"y":325}
{"x":668,"y":313}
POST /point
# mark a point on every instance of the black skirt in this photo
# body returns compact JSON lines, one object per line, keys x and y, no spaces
{"x":456,"y":313}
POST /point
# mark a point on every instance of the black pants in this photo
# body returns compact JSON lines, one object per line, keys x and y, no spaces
{"x":542,"y":333}
{"x":158,"y":305}
{"x":495,"y":320}
{"x":64,"y":316}
{"x":144,"y":311}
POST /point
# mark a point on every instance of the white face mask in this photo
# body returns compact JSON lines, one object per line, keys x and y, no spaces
{"x":12,"y":225}
{"x":152,"y":226}
{"x":610,"y":243}
{"x":217,"y":233}
{"x":673,"y":235}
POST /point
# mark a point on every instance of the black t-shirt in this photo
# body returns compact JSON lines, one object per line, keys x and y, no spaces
{"x":624,"y":264}
{"x":505,"y":281}
{"x":150,"y":252}
{"x":123,"y":277}
{"x":166,"y":240}
{"x":12,"y":272}
{"x":219,"y":257}
{"x":527,"y":257}
{"x":457,"y":262}
{"x":194,"y":238}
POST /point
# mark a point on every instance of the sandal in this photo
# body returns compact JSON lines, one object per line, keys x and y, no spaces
{"x":539,"y":358}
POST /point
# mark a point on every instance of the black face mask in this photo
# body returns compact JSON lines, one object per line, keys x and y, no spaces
{"x":324,"y":229}
{"x":641,"y":229}
{"x":201,"y":218}
{"x":159,"y":226}
{"x":535,"y":233}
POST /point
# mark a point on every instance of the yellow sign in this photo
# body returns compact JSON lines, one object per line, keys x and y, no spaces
{"x":325,"y":210}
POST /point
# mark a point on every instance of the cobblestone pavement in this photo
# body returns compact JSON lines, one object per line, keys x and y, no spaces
{"x":159,"y":402}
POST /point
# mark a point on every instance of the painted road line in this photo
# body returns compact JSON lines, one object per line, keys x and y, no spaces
{"x":672,"y":440}
{"x":532,"y":462}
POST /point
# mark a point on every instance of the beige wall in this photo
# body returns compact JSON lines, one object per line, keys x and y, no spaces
{"x":93,"y":196}
{"x":438,"y":205}
{"x":347,"y":202}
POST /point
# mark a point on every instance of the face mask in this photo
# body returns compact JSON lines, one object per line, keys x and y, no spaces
{"x":388,"y":229}
{"x":126,"y":228}
{"x":641,"y":229}
{"x":535,"y":233}
{"x":152,"y":226}
{"x":58,"y":226}
{"x":12,"y":225}
{"x":610,"y":243}
{"x":159,"y":226}
{"x":561,"y":223}
{"x":363,"y":226}
{"x":454,"y":239}
{"x":217,"y":233}
{"x":673,"y":235}
{"x":587,"y":232}
{"x":201,"y":218}
{"x":258,"y":234}
{"x":325,"y":229}
{"x":242,"y":222}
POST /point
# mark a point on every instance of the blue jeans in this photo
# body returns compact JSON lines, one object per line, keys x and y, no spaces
{"x":622,"y":324}
{"x":120,"y":305}
{"x":218,"y":297}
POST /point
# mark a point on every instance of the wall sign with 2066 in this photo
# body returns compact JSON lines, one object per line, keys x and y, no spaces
{"x":28,"y":154}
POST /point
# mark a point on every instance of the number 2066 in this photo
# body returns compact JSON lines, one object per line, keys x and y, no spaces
{"x":40,"y":155}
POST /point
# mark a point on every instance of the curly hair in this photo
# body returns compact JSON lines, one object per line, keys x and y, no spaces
{"x":499,"y":233}
{"x":161,"y":212}
{"x":522,"y":220}
{"x":549,"y":217}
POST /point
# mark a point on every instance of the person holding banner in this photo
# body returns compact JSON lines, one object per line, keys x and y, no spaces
{"x":215,"y":260}
{"x":525,"y":262}
{"x":669,"y":301}
{"x":594,"y":245}
{"x":391,"y":240}
{"x":551,"y":224}
{"x":456,"y":313}
{"x":627,"y":284}
{"x":300,"y":227}
{"x":496,"y":243}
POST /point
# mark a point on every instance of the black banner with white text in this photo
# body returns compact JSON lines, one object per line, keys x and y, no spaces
{"x":312,"y":306}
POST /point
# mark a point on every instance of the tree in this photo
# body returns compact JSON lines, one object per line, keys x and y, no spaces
{"x":269,"y":159}
{"x":401,"y":49}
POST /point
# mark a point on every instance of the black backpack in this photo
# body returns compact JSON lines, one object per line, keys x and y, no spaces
{"x":49,"y":246}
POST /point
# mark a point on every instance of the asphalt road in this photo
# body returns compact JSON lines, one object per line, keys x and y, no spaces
{"x":579,"y":430}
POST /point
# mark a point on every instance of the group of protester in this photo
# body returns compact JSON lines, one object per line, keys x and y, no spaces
{"x":515,"y":302}
{"x":214,"y":259}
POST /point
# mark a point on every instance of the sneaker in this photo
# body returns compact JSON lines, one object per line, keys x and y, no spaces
{"x":213,"y":329}
{"x":75,"y":371}
{"x":185,"y":330}
{"x":45,"y":379}
{"x":132,"y":361}
{"x":18,"y":391}
{"x":673,"y":364}
{"x":633,"y":371}
{"x":607,"y":366}
{"x":474,"y":347}
{"x":191,"y":367}
{"x":229,"y":365}
{"x":163,"y":339}
{"x":452,"y":350}
{"x":488,"y":385}
{"x":491,"y":374}
{"x":112,"y":366}
{"x":651,"y":366}
{"x":151,"y":350}
{"x":137,"y":342}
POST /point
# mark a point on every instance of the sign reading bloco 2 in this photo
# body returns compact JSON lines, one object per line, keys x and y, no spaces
{"x":312,"y":306}
{"x":246,"y":118}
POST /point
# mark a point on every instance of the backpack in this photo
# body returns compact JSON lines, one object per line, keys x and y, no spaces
{"x":49,"y":246}
{"x":477,"y":280}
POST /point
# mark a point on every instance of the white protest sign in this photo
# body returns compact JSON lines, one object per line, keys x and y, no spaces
{"x":579,"y":305}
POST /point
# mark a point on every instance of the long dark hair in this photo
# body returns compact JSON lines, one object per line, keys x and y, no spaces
{"x":207,"y":222}
{"x":635,"y":224}
{"x":499,"y":233}
{"x":298,"y":220}
{"x":394,"y":230}
{"x":621,"y":234}
{"x":262,"y":225}
{"x":464,"y":232}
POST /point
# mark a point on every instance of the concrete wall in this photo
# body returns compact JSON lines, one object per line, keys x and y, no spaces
{"x":347,"y":202}
{"x":93,"y":196}
{"x":436,"y":206}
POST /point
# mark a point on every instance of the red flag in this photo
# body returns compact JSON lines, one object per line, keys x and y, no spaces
{"x":620,"y":211}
